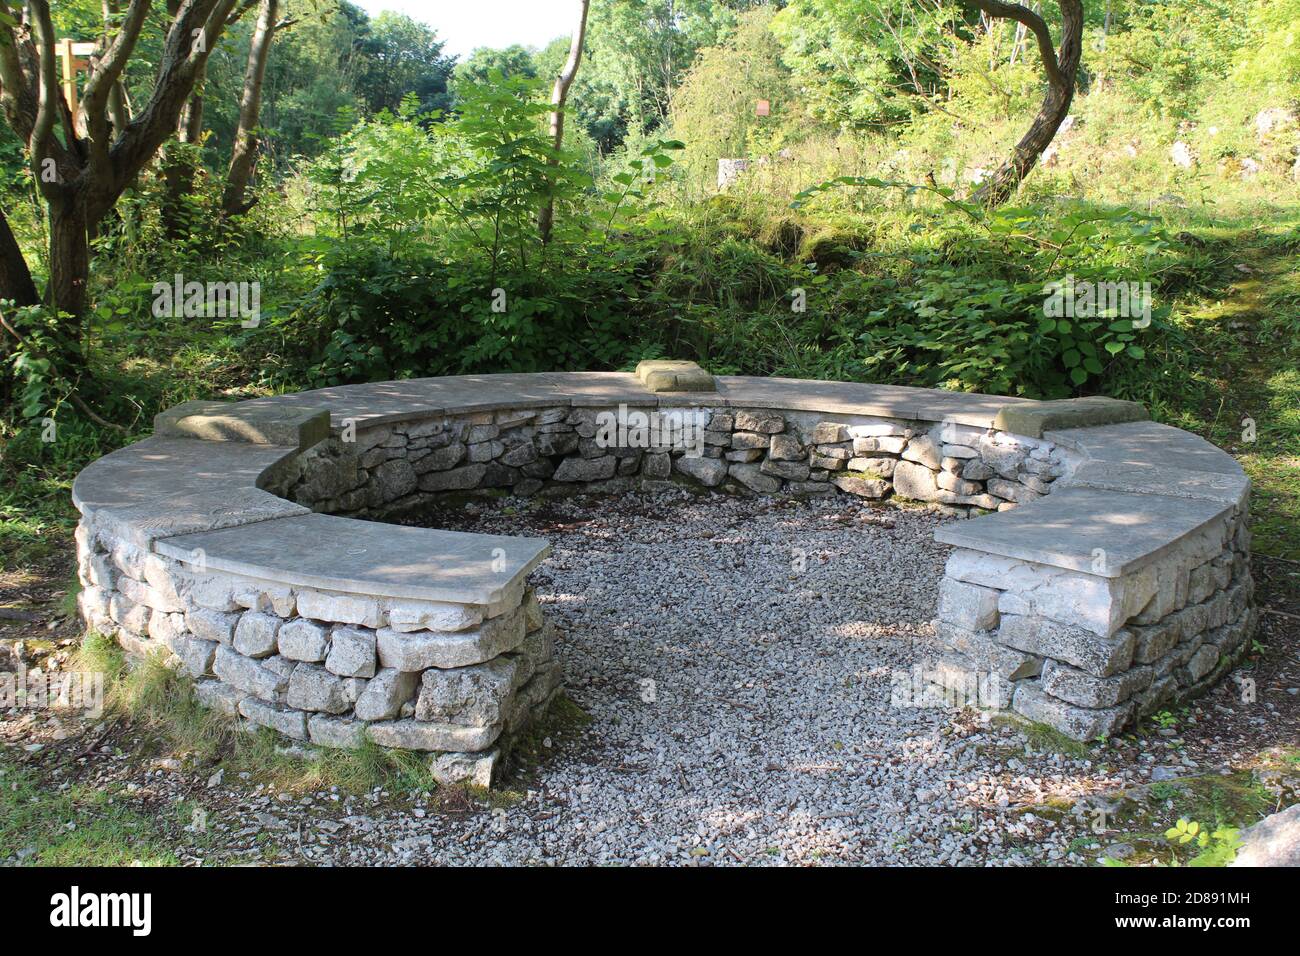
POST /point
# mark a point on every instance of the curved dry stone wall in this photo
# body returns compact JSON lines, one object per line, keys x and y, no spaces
{"x":404,"y":466}
{"x":1105,"y":574}
{"x":329,"y":667}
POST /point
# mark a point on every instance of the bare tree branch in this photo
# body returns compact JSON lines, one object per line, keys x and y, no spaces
{"x":94,"y":99}
{"x":559,"y":96}
{"x":1027,"y":17}
{"x":49,"y":97}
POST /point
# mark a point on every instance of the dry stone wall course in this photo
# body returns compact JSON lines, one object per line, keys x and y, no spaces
{"x":1084,"y":651}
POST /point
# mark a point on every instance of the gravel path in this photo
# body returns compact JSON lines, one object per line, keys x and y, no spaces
{"x":734,"y":656}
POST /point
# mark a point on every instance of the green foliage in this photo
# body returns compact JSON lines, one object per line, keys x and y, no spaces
{"x":956,"y":323}
{"x":1217,"y":847}
{"x":865,"y":63}
{"x":714,"y":109}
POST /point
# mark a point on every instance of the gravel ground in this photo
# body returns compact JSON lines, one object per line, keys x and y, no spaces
{"x":734,"y":656}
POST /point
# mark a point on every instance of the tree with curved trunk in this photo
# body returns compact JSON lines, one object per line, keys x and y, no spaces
{"x":1061,"y":67}
{"x":559,"y":96}
{"x":83,"y":162}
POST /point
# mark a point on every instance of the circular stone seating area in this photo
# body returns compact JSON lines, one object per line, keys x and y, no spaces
{"x":1103,"y":574}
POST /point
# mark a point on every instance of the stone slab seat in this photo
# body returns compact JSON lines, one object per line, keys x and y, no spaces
{"x":367,"y":557}
{"x":1067,"y":528}
{"x":1138,"y":489}
{"x":413,"y":399}
{"x":160,"y":487}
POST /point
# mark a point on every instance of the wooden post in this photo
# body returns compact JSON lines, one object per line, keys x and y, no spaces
{"x":69,"y":74}
{"x":73,"y":56}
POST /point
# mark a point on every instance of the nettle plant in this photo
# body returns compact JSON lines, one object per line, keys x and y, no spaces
{"x":1043,"y":321}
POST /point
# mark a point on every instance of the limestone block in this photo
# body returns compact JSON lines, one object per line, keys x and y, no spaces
{"x":1199,"y":664}
{"x":303,"y":640}
{"x":248,"y":675}
{"x":750,"y":440}
{"x":197,"y":656}
{"x":213,"y":591}
{"x":291,"y":723}
{"x":1154,"y":641}
{"x":419,"y":735}
{"x":768,"y":423}
{"x":340,"y":608}
{"x":313,"y":688}
{"x":917,"y":482}
{"x":449,"y":769}
{"x":789,"y":470}
{"x":785,"y":448}
{"x":1098,"y":655}
{"x":883,"y":467}
{"x":519,"y":455}
{"x":924,"y":451}
{"x":352,"y":652}
{"x":1162,"y":691}
{"x":1012,"y":491}
{"x":266,"y":598}
{"x":219,"y":696}
{"x":752,"y":477}
{"x":586,"y":469}
{"x":455,"y":479}
{"x":424,"y":649}
{"x":985,"y":654}
{"x":1071,"y":597}
{"x":385,"y":694}
{"x":533,"y":618}
{"x":1077,"y":687}
{"x":880,"y":429}
{"x":968,"y":605}
{"x":166,"y":627}
{"x":1080,"y":723}
{"x":958,"y":486}
{"x":392,"y":480}
{"x":210,"y":625}
{"x":827,"y":433}
{"x":707,"y":471}
{"x":341,"y":733}
{"x":470,"y":696}
{"x":408,"y":616}
{"x":255,"y":634}
{"x":131,"y":616}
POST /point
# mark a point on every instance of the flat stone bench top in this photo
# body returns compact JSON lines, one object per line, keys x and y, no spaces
{"x":1135,"y":488}
{"x":367,"y":557}
{"x":1104,"y":533}
{"x":165,"y":486}
{"x":384,"y":402}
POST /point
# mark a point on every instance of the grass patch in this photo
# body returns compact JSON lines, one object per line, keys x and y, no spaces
{"x":160,"y":703}
{"x":79,"y":825}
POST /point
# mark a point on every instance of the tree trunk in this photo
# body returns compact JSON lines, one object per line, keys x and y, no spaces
{"x":69,"y":273}
{"x":182,"y":166}
{"x":1062,"y":74}
{"x":244,"y":153}
{"x":559,"y":96}
{"x":15,"y":278}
